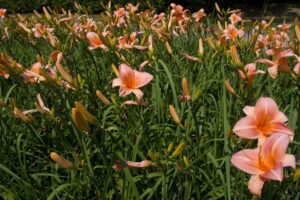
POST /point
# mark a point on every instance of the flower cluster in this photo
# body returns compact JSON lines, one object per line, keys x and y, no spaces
{"x":267,"y":124}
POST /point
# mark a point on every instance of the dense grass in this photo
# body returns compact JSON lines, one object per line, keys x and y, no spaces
{"x":140,"y":132}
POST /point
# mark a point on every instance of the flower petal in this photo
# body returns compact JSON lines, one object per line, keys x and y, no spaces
{"x":280,"y":117}
{"x":123,"y":91}
{"x":274,"y":148}
{"x":117,"y":82}
{"x":141,"y":78}
{"x":126,"y":73}
{"x":247,"y":161}
{"x":255,"y":185}
{"x":94,"y":40}
{"x":265,"y":109}
{"x":273,"y":71}
{"x":246,"y":128}
{"x":282,"y":128}
{"x":249,"y":111}
{"x":289,"y":161}
{"x":138,"y":93}
{"x":275,"y":174}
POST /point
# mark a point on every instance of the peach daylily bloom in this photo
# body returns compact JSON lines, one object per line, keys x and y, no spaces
{"x":262,"y":121}
{"x":231,"y":33}
{"x":199,"y":15}
{"x":34,"y":74}
{"x":40,"y":30}
{"x":250,"y":70}
{"x":2,"y":12}
{"x":132,"y":8}
{"x":95,"y":41}
{"x":234,"y":18}
{"x":145,"y":163}
{"x":265,"y":162}
{"x":278,"y":63}
{"x":130,"y":81}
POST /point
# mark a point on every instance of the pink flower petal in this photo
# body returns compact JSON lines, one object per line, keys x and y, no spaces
{"x":274,"y":148}
{"x":247,"y":161}
{"x":246,"y":128}
{"x":289,"y":161}
{"x":255,"y":185}
{"x":273,"y":71}
{"x":281,"y":128}
{"x":266,"y":61}
{"x":138,"y":93}
{"x":123,"y":91}
{"x":142,"y":78}
{"x":249,"y":111}
{"x":280,"y":117}
{"x":117,"y":82}
{"x":275,"y":174}
{"x":126,"y":73}
{"x":265,"y":109}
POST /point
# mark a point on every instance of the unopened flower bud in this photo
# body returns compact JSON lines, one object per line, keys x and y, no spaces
{"x":174,"y":115}
{"x":61,"y":161}
{"x":102,"y":97}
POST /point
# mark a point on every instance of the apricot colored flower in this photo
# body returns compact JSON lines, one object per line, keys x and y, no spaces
{"x":278,"y":62}
{"x":131,"y":80}
{"x":262,"y":121}
{"x":95,"y":41}
{"x":34,"y":74}
{"x":231,"y":33}
{"x":199,"y":15}
{"x":2,"y":13}
{"x":234,"y":18}
{"x":265,"y":162}
{"x":249,"y":72}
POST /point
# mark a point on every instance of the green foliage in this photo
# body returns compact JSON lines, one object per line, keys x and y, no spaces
{"x":135,"y":133}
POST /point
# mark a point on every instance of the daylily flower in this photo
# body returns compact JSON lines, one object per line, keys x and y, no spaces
{"x":130,"y":81}
{"x":231,"y":33}
{"x":132,"y":8}
{"x":95,"y":41}
{"x":234,"y":18}
{"x":179,"y":13}
{"x":145,"y":163}
{"x":199,"y":15}
{"x":265,"y":162}
{"x":41,"y":30}
{"x":262,"y":42}
{"x":279,"y":61}
{"x":34,"y":74}
{"x":119,"y":15}
{"x":262,"y":121}
{"x":2,"y":13}
{"x":250,"y":70}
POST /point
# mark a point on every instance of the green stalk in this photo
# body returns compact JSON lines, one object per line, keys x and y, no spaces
{"x":226,"y":149}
